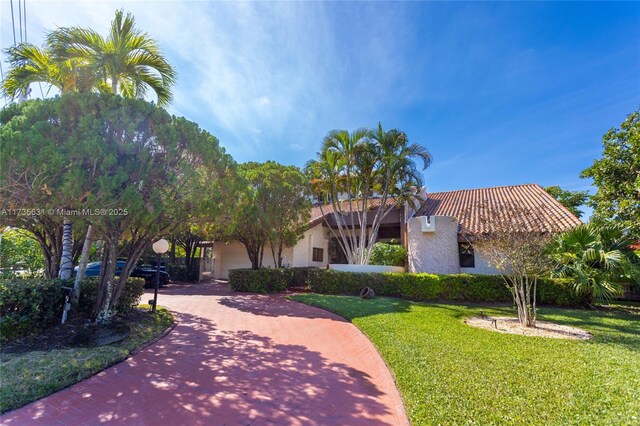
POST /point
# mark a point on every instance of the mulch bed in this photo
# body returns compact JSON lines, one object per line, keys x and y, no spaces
{"x":61,"y":336}
{"x":542,"y":329}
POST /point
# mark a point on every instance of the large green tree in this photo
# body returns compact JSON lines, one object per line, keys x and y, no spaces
{"x":271,"y":211}
{"x":127,"y":62}
{"x":617,"y":175}
{"x":572,"y":200}
{"x":129,"y":159}
{"x":361,"y":174}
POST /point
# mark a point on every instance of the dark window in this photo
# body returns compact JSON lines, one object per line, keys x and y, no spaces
{"x":389,"y":232}
{"x":318,"y":254}
{"x":467,"y":257}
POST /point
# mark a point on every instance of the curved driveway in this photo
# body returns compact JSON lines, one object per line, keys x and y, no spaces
{"x":235,"y":359}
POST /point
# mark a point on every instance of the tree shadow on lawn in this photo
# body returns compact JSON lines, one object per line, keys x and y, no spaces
{"x":200,"y":375}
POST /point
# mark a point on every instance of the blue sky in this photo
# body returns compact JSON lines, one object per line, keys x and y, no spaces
{"x":500,"y":93}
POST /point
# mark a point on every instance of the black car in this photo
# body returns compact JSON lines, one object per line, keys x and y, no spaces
{"x":148,"y":272}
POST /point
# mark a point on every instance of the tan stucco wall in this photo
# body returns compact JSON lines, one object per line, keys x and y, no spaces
{"x":434,"y":252}
{"x":233,"y":255}
{"x":302,"y":252}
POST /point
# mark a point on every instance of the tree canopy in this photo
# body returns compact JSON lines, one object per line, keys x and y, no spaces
{"x":572,"y":200}
{"x":617,"y":175}
{"x":272,"y":209}
{"x":136,"y":168}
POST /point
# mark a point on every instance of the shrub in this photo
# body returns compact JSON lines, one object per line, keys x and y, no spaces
{"x":388,"y":254}
{"x":130,"y":297}
{"x":268,"y":280}
{"x":259,"y":280}
{"x":459,"y":287}
{"x":29,"y":305}
{"x":180,"y":272}
{"x":299,"y":275}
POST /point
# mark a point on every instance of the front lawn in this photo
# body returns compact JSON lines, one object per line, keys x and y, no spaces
{"x":451,"y":373}
{"x":29,"y":376}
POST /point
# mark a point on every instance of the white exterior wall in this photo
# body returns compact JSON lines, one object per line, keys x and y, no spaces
{"x":302,"y":252}
{"x":233,"y":255}
{"x":434,"y":252}
{"x":481,"y":266}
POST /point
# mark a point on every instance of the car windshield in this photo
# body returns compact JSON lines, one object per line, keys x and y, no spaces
{"x":93,"y":264}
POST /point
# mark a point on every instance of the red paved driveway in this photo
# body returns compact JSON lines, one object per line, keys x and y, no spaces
{"x":235,"y":359}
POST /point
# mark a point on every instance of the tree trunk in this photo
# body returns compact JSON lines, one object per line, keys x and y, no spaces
{"x":102,"y":312}
{"x":82,"y":267}
{"x":66,"y":261}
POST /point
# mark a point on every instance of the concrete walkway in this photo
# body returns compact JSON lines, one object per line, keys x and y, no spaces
{"x":235,"y":359}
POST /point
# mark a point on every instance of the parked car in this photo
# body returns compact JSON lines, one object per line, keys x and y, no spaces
{"x":147,"y":272}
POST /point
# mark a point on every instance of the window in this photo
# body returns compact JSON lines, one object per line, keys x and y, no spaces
{"x":318,"y":254}
{"x":467,"y":257}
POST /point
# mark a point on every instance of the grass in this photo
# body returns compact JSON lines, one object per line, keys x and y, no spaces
{"x":30,"y":376}
{"x":451,"y":373}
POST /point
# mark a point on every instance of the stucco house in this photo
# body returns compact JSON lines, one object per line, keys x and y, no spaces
{"x":438,"y":235}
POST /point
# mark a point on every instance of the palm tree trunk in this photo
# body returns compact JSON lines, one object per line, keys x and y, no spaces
{"x":66,"y":263}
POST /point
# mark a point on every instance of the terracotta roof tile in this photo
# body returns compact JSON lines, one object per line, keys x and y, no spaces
{"x":318,"y":211}
{"x":466,"y":205}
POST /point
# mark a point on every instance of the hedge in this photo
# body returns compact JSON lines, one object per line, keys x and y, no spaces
{"x":267,"y":280}
{"x":416,"y":286}
{"x":30,"y":305}
{"x":459,"y":287}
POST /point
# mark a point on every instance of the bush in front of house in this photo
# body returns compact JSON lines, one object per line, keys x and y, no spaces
{"x":129,"y":299}
{"x":30,"y":305}
{"x":388,"y":254}
{"x":268,"y":280}
{"x":259,"y":280}
{"x":458,"y":287}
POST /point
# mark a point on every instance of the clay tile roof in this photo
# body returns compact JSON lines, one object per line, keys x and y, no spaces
{"x":317,"y":211}
{"x":465,"y":206}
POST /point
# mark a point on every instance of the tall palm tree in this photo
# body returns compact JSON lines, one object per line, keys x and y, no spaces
{"x":127,"y":59}
{"x":361,"y":165}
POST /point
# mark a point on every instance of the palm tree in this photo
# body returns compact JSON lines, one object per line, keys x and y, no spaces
{"x":361,"y":165}
{"x":127,"y":59}
{"x":33,"y":64}
{"x":597,"y":257}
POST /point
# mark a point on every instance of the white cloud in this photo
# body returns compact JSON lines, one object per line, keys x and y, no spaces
{"x":288,"y":70}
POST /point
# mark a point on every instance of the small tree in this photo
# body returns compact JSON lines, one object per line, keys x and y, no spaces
{"x":515,"y":245}
{"x":272,"y":209}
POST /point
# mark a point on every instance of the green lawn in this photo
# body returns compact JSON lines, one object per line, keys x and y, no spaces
{"x":450,"y":373}
{"x":33,"y":375}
